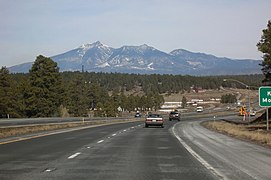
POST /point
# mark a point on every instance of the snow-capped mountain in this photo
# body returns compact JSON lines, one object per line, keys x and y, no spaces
{"x":89,"y":55}
{"x":144,"y":59}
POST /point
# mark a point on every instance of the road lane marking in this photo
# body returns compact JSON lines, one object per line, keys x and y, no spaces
{"x":198,"y":157}
{"x":74,"y":155}
{"x":114,"y":134}
{"x":60,"y":131}
{"x":163,"y":148}
{"x":100,"y":141}
{"x":47,"y":170}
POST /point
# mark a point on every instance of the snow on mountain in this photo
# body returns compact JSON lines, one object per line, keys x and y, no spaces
{"x":145,"y":59}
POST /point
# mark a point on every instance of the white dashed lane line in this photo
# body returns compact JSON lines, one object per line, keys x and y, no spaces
{"x":77,"y":154}
{"x":74,"y":155}
{"x":100,"y":141}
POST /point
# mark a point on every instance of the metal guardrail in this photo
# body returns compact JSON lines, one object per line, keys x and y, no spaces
{"x":54,"y":120}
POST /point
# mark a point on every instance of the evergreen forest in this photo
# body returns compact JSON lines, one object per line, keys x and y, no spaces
{"x":46,"y":92}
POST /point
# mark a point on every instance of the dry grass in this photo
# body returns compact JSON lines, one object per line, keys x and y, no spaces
{"x":255,"y":133}
{"x":17,"y":131}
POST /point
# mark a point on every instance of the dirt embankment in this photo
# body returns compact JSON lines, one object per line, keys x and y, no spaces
{"x":255,"y":133}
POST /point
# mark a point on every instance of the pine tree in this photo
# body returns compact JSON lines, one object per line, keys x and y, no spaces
{"x":45,"y":94}
{"x":184,"y":102}
{"x":77,"y":99}
{"x":7,"y":95}
{"x":265,"y":47}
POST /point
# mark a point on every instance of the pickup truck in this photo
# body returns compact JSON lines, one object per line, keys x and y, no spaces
{"x":154,"y":120}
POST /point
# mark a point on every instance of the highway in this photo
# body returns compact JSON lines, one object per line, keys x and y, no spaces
{"x":181,"y":150}
{"x":40,"y":121}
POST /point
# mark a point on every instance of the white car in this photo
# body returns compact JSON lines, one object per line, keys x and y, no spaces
{"x":252,"y":113}
{"x":199,"y":109}
{"x":154,"y":120}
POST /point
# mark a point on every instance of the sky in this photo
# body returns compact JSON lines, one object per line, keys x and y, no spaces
{"x":224,"y":28}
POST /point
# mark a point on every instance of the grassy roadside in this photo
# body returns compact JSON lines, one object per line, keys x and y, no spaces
{"x":24,"y":130}
{"x":254,"y":133}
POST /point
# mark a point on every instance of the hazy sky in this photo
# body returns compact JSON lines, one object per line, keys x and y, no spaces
{"x":225,"y":28}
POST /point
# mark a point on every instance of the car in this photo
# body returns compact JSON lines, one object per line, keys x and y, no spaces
{"x":199,"y":109}
{"x":174,"y":115}
{"x":154,"y":120}
{"x":137,"y":115}
{"x":252,"y":113}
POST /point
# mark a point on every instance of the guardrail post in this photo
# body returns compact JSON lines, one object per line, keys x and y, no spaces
{"x":214,"y":122}
{"x":267,"y":123}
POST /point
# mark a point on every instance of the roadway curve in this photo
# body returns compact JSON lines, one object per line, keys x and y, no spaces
{"x":130,"y":151}
{"x":225,"y":156}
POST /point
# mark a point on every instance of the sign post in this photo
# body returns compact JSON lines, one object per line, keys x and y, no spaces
{"x":265,"y":100}
{"x":267,"y":123}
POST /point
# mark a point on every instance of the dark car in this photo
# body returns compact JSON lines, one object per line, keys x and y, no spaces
{"x":154,"y":120}
{"x":137,"y":115}
{"x":174,"y":115}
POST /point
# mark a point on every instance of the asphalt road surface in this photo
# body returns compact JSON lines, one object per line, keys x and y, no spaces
{"x":120,"y":151}
{"x":226,"y":157}
{"x":131,"y":151}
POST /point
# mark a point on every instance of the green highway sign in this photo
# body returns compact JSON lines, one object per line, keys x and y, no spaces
{"x":265,"y":96}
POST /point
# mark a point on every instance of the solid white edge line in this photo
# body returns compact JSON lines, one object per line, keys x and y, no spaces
{"x":198,"y":157}
{"x":74,"y":155}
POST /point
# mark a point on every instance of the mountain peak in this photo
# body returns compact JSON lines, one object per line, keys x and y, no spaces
{"x":145,"y":46}
{"x":145,"y":59}
{"x":95,"y":44}
{"x":179,"y":52}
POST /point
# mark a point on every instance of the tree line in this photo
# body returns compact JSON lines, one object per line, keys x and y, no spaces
{"x":45,"y":92}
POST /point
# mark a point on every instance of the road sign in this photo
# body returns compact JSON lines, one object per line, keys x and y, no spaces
{"x":265,"y":96}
